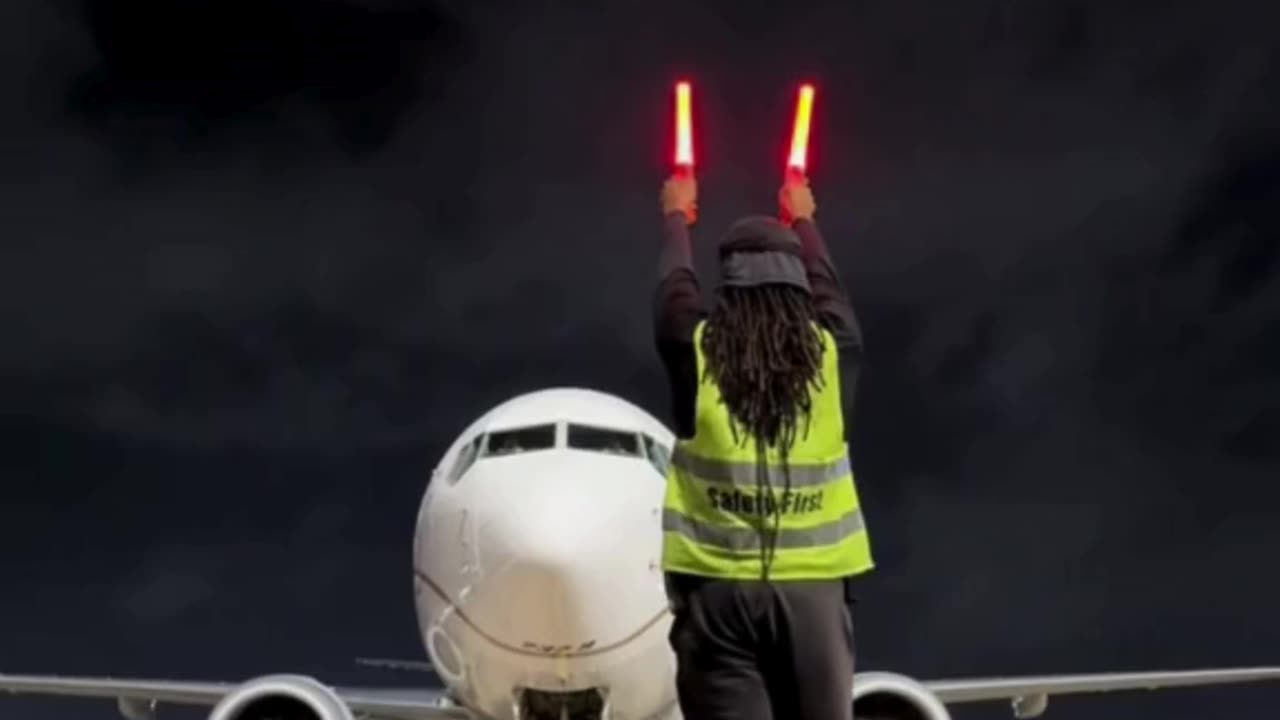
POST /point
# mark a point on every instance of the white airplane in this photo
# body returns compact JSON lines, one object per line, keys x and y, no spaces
{"x":539,"y":595}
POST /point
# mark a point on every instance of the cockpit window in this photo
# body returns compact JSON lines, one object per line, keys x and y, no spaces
{"x":466,"y":457}
{"x":604,"y":440}
{"x":658,"y":454}
{"x":520,"y":440}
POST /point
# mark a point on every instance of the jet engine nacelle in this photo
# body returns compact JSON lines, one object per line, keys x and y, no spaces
{"x":281,"y":697}
{"x":888,"y":696}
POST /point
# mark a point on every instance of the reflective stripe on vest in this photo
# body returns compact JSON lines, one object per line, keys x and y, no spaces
{"x":743,"y":472}
{"x":740,"y":539}
{"x":721,"y":508}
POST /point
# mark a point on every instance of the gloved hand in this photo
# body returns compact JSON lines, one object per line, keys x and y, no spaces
{"x":680,"y":194}
{"x":795,"y":200}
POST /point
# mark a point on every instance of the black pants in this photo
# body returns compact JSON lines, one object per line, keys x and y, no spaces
{"x":750,"y":650}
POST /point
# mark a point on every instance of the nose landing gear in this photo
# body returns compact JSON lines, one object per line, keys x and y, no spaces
{"x":589,"y":704}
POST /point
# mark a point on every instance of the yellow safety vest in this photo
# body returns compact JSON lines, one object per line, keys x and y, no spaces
{"x":713,"y":515}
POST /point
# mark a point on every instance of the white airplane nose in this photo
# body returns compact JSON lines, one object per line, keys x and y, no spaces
{"x":563,"y":541}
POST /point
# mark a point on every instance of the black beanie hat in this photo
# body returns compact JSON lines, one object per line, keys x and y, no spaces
{"x":761,"y":250}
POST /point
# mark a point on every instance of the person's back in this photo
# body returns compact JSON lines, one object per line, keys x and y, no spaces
{"x":762,"y":523}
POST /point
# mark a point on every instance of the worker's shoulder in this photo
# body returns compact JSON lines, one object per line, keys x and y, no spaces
{"x":830,"y":335}
{"x":842,"y":344}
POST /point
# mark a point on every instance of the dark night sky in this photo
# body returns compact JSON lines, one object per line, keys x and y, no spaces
{"x":264,"y":258}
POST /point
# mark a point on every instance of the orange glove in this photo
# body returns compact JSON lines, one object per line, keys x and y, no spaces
{"x":795,"y":200}
{"x":680,"y":194}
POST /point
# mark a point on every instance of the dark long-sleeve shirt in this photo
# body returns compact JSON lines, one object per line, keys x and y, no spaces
{"x":678,"y":308}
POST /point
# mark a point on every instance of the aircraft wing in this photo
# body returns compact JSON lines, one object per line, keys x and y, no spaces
{"x":1030,"y":694}
{"x":135,"y":696}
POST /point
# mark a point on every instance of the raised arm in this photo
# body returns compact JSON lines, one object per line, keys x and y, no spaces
{"x":830,"y":298}
{"x":829,"y":295}
{"x":678,"y":301}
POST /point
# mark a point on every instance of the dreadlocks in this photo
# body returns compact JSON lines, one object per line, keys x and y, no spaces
{"x":764,"y":352}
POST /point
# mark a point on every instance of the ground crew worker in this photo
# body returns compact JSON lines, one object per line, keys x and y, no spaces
{"x":762,"y":523}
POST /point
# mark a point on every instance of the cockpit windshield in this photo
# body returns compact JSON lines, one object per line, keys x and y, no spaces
{"x":519,"y":440}
{"x":604,"y":440}
{"x":658,"y":454}
{"x":466,"y":457}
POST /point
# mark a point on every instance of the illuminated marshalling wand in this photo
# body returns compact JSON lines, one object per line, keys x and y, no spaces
{"x":798,"y":159}
{"x":684,"y":130}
